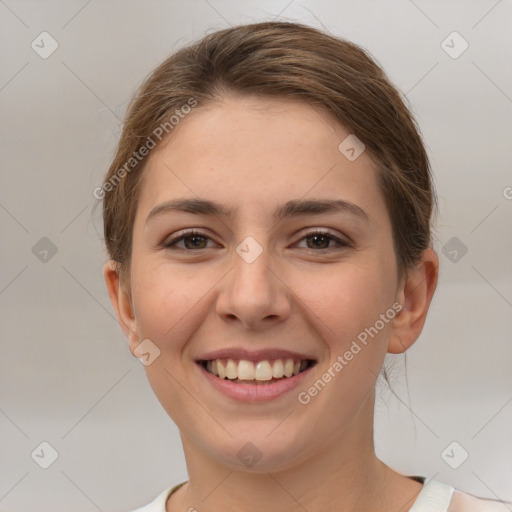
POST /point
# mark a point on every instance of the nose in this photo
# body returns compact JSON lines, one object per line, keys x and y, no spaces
{"x":253,"y":294}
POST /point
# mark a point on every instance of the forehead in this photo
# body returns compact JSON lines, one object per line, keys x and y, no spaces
{"x":249,"y":151}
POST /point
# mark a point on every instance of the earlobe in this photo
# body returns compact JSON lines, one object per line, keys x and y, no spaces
{"x":415,"y":296}
{"x":121,"y":302}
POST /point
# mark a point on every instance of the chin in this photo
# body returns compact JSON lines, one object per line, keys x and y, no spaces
{"x":258,"y":452}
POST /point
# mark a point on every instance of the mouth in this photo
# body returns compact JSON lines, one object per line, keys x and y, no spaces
{"x":257,"y":372}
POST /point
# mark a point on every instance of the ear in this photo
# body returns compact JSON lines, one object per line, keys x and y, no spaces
{"x":415,"y":294}
{"x":121,"y":301}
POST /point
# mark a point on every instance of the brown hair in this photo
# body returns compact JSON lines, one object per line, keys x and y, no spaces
{"x":279,"y":59}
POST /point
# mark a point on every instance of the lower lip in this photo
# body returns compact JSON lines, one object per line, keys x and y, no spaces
{"x":254,"y":392}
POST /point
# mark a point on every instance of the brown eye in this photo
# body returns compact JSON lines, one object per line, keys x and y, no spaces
{"x":318,"y":241}
{"x":195,"y":242}
{"x":323,"y":241}
{"x":192,"y":240}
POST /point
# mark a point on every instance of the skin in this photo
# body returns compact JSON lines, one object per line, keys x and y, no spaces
{"x":255,"y":154}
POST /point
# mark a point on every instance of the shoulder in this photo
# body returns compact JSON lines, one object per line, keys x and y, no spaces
{"x":159,"y":503}
{"x":436,"y":496}
{"x":464,"y":502}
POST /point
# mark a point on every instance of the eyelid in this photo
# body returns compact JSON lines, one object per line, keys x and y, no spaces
{"x":171,"y":242}
{"x":341,"y":238}
{"x":341,"y":242}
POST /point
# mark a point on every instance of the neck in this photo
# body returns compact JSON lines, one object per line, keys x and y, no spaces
{"x":344,"y":470}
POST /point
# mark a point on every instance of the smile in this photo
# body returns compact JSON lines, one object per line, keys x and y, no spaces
{"x":242,"y":371}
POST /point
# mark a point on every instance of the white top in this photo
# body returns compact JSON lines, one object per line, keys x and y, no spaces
{"x":433,"y":497}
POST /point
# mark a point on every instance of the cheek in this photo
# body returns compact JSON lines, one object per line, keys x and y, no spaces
{"x":168,"y":307}
{"x":346,"y":299}
{"x":165,"y":302}
{"x":170,"y":302}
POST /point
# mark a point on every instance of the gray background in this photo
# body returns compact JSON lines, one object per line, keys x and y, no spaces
{"x":66,"y":375}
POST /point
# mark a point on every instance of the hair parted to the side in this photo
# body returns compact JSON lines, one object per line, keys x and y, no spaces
{"x":279,"y":60}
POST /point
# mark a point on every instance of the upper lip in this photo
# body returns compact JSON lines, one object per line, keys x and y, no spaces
{"x":254,"y":355}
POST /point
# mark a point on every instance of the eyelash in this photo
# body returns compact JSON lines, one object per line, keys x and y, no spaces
{"x":172,"y":244}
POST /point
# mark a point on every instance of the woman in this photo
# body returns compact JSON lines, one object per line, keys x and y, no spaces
{"x":267,"y":217}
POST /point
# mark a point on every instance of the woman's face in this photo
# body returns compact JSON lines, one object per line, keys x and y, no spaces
{"x":256,"y":179}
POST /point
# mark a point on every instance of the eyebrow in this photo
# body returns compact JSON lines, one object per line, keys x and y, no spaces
{"x":292,"y":208}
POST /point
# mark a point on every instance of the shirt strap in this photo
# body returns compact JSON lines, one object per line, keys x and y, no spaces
{"x":434,"y":497}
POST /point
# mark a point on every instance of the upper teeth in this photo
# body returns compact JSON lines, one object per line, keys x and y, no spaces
{"x":262,"y":370}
